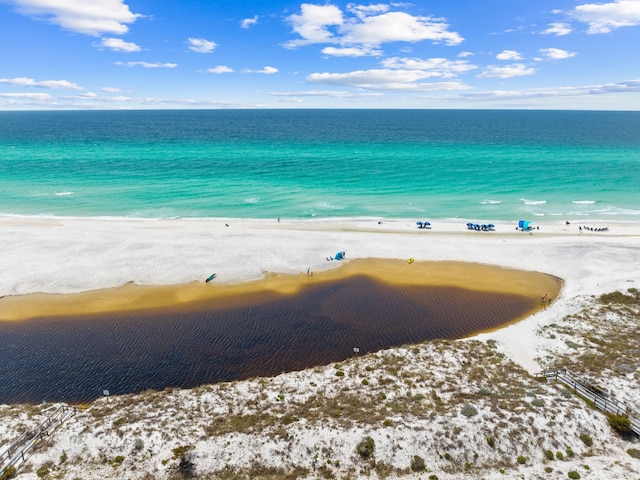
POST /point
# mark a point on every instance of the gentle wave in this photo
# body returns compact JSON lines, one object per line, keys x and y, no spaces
{"x":491,"y":202}
{"x":583,"y":202}
{"x":63,"y":194}
{"x":533,"y":202}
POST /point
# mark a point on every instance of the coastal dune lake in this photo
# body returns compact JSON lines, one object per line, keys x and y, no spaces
{"x":75,"y":358}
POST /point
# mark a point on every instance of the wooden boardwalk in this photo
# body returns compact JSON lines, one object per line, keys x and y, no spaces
{"x":19,"y":451}
{"x":599,"y":398}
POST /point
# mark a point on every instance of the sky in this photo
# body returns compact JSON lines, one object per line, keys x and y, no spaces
{"x":161,"y":54}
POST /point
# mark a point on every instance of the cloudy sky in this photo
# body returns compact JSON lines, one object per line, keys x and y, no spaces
{"x":132,"y":54}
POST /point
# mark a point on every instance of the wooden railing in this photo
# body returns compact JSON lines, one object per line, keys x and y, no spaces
{"x":19,"y":451}
{"x":594,"y":394}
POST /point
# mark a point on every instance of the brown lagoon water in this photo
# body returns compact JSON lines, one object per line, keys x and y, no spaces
{"x":75,"y":358}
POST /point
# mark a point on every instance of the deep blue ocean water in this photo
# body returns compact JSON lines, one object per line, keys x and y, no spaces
{"x":320,"y":164}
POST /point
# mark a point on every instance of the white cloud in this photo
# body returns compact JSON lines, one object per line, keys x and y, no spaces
{"x":248,"y":22}
{"x":313,"y":22}
{"x":147,"y":64}
{"x":268,"y":70}
{"x":351,"y":51}
{"x":201,"y":45}
{"x":398,"y":26}
{"x":30,"y":82}
{"x":326,"y":93}
{"x":28,"y":96}
{"x":83,"y":96}
{"x":630,"y":86}
{"x":604,"y":17}
{"x":93,"y":17}
{"x":119,"y":45}
{"x":442,"y":66}
{"x":558,"y":29}
{"x":385,"y":79}
{"x":368,"y":26}
{"x":508,"y":71}
{"x":465,"y":54}
{"x":111,"y":89}
{"x":220,"y":69}
{"x":362,"y":11}
{"x":509,"y":55}
{"x":556,"y":53}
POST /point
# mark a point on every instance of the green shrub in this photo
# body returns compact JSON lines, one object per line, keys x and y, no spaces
{"x":620,"y":423}
{"x":468,"y":411}
{"x":63,"y":457}
{"x":521,"y":459}
{"x":447,"y":456}
{"x":181,"y":451}
{"x":42,"y":472}
{"x":8,"y":473}
{"x":339,"y":373}
{"x":618,"y":298}
{"x":288,"y":419}
{"x":573,"y":475}
{"x":118,"y":460}
{"x":634,"y":452}
{"x":365,"y":381}
{"x":586,"y":438}
{"x":433,"y":477}
{"x":366,"y":447}
{"x":559,"y":455}
{"x":569,"y":452}
{"x":537,"y":402}
{"x":548,"y":454}
{"x":491,"y":442}
{"x":387,"y":423}
{"x":119,"y":422}
{"x":548,"y":469}
{"x":417,"y":464}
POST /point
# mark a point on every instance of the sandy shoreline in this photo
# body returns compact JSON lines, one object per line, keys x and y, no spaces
{"x":72,"y":255}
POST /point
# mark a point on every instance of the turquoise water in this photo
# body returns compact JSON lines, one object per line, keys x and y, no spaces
{"x":318,"y":164}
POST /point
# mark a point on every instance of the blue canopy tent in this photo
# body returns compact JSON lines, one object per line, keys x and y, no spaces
{"x":339,"y":256}
{"x":524,"y":225}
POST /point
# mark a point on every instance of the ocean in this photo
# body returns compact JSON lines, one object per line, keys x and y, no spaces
{"x":322,"y":164}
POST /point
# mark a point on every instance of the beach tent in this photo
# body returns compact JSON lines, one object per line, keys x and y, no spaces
{"x":339,"y":256}
{"x":524,"y":224}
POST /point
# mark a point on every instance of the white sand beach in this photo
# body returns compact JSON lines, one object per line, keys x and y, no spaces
{"x":66,"y":256}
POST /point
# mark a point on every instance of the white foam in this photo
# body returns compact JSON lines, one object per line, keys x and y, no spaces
{"x":533,"y":202}
{"x":583,"y":202}
{"x":63,"y":194}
